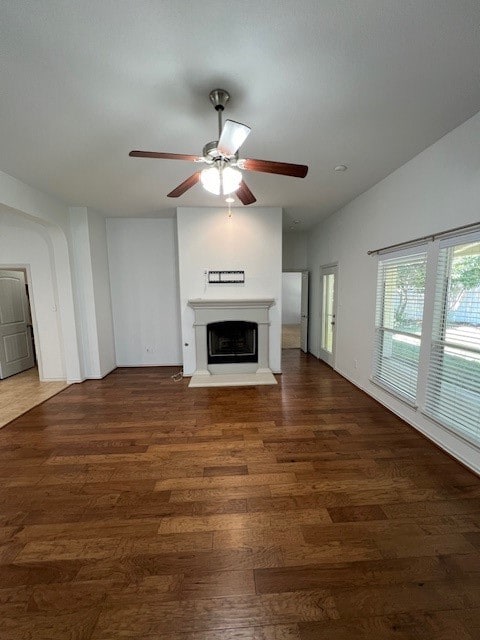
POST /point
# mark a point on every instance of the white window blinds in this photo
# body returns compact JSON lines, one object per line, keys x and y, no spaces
{"x":398,"y":326}
{"x":453,"y":386}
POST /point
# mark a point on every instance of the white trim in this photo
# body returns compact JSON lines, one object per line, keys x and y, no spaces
{"x":326,"y":269}
{"x":103,"y":375}
{"x":145,"y":364}
{"x":452,"y":430}
{"x":392,"y":391}
{"x":427,"y":322}
{"x":231,"y":303}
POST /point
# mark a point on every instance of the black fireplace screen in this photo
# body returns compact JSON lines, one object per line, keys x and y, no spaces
{"x":232,"y":341}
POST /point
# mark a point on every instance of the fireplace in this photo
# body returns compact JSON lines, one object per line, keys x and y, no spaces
{"x":232,"y":341}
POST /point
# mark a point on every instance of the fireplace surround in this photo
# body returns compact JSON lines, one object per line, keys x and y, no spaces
{"x":247,"y":369}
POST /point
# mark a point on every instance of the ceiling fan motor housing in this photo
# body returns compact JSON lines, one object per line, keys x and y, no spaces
{"x":211,"y":152}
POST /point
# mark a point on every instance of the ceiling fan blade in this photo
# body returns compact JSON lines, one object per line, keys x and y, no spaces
{"x":282,"y":168}
{"x":232,"y":137}
{"x":164,"y":156}
{"x":185,"y":186}
{"x":244,"y":194}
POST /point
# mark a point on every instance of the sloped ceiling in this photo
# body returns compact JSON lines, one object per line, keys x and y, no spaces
{"x":365,"y":83}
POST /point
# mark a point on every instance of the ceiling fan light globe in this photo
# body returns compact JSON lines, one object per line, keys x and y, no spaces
{"x":221,"y":180}
{"x":210,"y":179}
{"x":231,"y":180}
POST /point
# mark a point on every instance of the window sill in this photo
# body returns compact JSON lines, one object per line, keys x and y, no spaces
{"x":394,"y":393}
{"x":456,"y":432}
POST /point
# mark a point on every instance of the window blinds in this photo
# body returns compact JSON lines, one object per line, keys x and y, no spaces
{"x":398,"y":326}
{"x":453,"y":385}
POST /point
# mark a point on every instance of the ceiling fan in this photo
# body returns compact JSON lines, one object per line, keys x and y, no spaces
{"x":223,"y":174}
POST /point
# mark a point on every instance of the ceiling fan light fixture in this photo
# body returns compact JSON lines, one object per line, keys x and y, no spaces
{"x":210,"y":179}
{"x":231,"y":180}
{"x":221,"y":180}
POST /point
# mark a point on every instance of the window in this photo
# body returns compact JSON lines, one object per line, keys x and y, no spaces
{"x":398,"y":326}
{"x":427,"y":330}
{"x":453,"y":386}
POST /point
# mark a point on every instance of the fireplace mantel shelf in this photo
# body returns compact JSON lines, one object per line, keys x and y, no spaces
{"x":232,"y":303}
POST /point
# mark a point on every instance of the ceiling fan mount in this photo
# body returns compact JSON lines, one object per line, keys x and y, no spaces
{"x":223,"y":175}
{"x":219,"y":98}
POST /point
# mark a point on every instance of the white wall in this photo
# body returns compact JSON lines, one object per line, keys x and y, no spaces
{"x":144,"y":288}
{"x":53,"y":216}
{"x":294,"y":253}
{"x":18,"y":195}
{"x":101,"y":291}
{"x":83,"y":287}
{"x":92,"y":291}
{"x":251,"y":240}
{"x":80,"y":275}
{"x":26,"y":243}
{"x":291,"y":298}
{"x":437,"y":190}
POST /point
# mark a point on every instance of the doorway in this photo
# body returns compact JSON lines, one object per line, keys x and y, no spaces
{"x":328,"y":313}
{"x":16,"y":330}
{"x":295,"y":310}
{"x":20,"y":385}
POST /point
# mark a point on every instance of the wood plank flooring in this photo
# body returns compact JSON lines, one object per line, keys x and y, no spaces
{"x":135,"y":508}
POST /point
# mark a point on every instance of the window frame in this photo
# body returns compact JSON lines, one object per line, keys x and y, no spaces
{"x":428,"y":341}
{"x":416,"y":250}
{"x":434,"y":342}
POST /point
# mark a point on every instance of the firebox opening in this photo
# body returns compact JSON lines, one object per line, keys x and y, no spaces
{"x":232,"y":341}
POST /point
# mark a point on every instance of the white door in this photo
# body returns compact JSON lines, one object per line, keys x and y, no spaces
{"x":328,"y":313}
{"x":16,"y":347}
{"x":304,"y":313}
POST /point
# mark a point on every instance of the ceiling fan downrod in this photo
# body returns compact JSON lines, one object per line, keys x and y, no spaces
{"x":219,"y":98}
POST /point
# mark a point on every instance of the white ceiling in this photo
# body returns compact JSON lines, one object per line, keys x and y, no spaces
{"x":366,"y":83}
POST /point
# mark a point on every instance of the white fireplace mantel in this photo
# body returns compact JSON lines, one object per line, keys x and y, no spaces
{"x":219,"y":310}
{"x":236,"y":303}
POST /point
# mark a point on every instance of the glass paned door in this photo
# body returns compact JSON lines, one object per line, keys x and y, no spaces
{"x":328,"y":314}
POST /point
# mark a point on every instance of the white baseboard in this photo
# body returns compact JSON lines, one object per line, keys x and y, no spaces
{"x":103,"y":374}
{"x":142,"y":364}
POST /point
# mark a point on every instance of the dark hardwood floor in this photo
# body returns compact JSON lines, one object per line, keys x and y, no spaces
{"x":133,"y":507}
